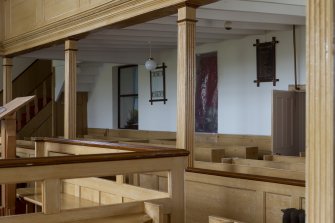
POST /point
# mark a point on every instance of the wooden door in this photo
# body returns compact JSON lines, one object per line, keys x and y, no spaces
{"x":288,"y":122}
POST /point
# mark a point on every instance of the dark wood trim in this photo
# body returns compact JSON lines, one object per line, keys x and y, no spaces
{"x":58,"y":160}
{"x":299,"y":183}
{"x":187,"y":20}
{"x":108,"y":145}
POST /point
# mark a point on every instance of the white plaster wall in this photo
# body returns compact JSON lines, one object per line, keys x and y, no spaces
{"x":158,"y":116}
{"x":19,"y":65}
{"x":100,"y":99}
{"x":243,"y":108}
{"x":59,"y":77}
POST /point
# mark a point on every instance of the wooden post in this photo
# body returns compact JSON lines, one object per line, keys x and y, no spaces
{"x":51,"y":196}
{"x":70,"y":90}
{"x":7,"y":64}
{"x":53,"y":103}
{"x":186,"y":80}
{"x":320,"y":112}
{"x":8,"y":138}
{"x":176,"y":190}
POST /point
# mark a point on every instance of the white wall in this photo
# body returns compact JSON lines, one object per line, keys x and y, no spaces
{"x":100,"y":99}
{"x":59,"y":77}
{"x":158,"y":116}
{"x":243,"y":108}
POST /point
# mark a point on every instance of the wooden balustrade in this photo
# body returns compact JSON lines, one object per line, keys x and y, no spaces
{"x":125,"y":160}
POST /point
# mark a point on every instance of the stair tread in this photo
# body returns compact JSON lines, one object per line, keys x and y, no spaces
{"x":133,"y":218}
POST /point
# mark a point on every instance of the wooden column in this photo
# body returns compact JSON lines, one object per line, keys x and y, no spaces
{"x":320,"y":112}
{"x":8,"y":138}
{"x":7,"y":64}
{"x":186,"y":80}
{"x":70,"y":90}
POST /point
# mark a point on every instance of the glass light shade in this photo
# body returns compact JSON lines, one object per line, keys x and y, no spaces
{"x":150,"y":64}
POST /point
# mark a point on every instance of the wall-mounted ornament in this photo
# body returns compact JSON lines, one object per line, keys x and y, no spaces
{"x":266,"y":61}
{"x":157,"y":84}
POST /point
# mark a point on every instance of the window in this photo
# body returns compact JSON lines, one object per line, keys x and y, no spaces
{"x":128,"y":97}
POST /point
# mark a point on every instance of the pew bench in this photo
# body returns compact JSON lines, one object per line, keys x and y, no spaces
{"x":209,"y":154}
{"x":265,"y":163}
{"x":287,"y":159}
{"x":34,"y":196}
{"x":216,"y":153}
{"x":214,"y":219}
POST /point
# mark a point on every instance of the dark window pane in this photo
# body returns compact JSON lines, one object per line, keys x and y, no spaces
{"x":129,"y":112}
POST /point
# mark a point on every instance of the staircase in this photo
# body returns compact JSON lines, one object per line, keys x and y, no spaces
{"x":35,"y":80}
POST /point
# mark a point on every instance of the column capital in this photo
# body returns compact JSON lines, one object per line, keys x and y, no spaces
{"x":187,"y":13}
{"x":7,"y":61}
{"x":71,"y":44}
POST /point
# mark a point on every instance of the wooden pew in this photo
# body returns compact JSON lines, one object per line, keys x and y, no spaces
{"x":269,"y":164}
{"x":209,"y":154}
{"x":255,"y":170}
{"x":287,"y":159}
{"x":215,"y":219}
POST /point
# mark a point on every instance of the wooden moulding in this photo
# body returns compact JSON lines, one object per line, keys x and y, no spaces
{"x":82,"y":20}
{"x":300,"y":183}
{"x":118,"y":146}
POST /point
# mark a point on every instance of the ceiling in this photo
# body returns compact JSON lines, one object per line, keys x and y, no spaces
{"x":131,"y":44}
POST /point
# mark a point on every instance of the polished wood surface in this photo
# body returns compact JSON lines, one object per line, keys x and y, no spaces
{"x":320,"y":112}
{"x":269,"y":179}
{"x":186,"y":80}
{"x":118,"y":146}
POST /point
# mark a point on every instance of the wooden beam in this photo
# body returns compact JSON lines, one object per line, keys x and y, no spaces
{"x":186,"y":80}
{"x":7,"y":64}
{"x":70,"y":90}
{"x":320,"y":112}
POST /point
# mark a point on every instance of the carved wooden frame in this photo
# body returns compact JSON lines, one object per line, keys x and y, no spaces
{"x":266,"y":61}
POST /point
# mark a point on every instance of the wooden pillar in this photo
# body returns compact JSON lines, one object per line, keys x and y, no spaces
{"x":70,"y":90}
{"x":186,"y":80}
{"x":320,"y":112}
{"x":8,"y":138}
{"x":7,"y":64}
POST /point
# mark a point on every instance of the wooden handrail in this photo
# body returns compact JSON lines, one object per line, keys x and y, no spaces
{"x":58,"y":160}
{"x":299,"y":183}
{"x":118,"y":146}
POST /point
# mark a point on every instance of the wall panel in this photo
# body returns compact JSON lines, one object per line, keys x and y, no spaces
{"x":56,"y":8}
{"x":22,"y":16}
{"x":274,"y":203}
{"x":37,"y":23}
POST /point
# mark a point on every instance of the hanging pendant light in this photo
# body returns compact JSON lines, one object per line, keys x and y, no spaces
{"x":150,"y":63}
